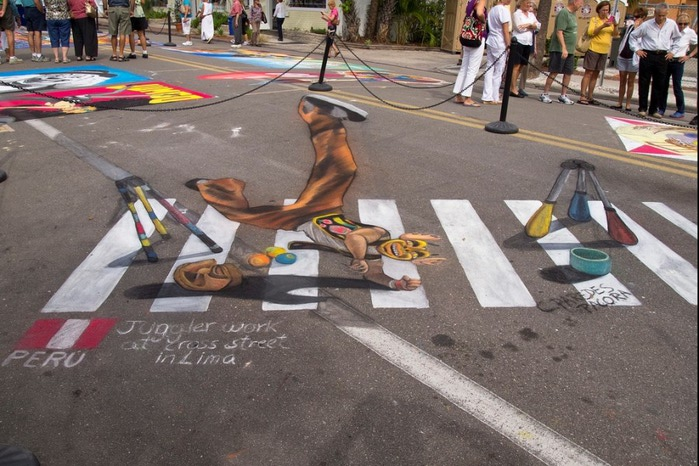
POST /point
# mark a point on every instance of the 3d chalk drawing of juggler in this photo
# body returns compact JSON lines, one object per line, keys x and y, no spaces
{"x":317,"y":211}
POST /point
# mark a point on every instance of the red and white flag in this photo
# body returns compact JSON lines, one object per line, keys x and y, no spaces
{"x":62,"y":334}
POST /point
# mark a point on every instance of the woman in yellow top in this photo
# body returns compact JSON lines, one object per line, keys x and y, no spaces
{"x":601,"y":30}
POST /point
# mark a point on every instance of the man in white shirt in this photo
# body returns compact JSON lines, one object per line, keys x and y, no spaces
{"x":656,"y":43}
{"x":675,"y":69}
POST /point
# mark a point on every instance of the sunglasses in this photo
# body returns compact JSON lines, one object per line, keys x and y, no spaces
{"x":683,"y":24}
{"x":638,"y":17}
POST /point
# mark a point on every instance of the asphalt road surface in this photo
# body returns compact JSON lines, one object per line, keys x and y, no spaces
{"x":504,"y":356}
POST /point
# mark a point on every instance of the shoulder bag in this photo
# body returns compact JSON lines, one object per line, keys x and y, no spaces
{"x":583,"y":43}
{"x":472,"y":29}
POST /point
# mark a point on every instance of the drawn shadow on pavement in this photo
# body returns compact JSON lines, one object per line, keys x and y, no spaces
{"x":275,"y":289}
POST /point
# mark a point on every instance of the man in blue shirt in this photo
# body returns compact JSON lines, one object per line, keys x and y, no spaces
{"x":35,"y":17}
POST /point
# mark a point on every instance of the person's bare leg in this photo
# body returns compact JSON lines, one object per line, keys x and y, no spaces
{"x":376,"y":275}
{"x":622,"y":87}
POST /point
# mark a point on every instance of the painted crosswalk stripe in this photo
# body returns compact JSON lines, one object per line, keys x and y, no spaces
{"x":306,"y":265}
{"x":600,"y":291}
{"x":679,"y":274}
{"x":673,"y":217}
{"x":95,"y":278}
{"x":492,"y":277}
{"x":384,"y":213}
{"x":222,"y":231}
{"x":523,"y":430}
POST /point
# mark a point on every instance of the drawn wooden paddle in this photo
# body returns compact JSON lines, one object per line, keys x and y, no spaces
{"x":616,"y":227}
{"x":579,"y":209}
{"x":539,"y":224}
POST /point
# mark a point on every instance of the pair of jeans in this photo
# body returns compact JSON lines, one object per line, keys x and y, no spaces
{"x":280,"y":32}
{"x":675,"y":71}
{"x":652,"y":68}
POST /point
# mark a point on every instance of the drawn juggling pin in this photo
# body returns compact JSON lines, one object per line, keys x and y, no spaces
{"x":539,"y":224}
{"x":579,"y":209}
{"x":616,"y":227}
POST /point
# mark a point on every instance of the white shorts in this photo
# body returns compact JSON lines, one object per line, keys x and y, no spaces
{"x":186,"y":27}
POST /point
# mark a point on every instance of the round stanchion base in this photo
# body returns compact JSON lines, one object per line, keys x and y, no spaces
{"x":3,"y":175}
{"x":169,"y":44}
{"x":320,"y":87}
{"x":501,"y":127}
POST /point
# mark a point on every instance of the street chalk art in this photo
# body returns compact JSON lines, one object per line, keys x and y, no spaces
{"x":206,"y":343}
{"x":336,"y":76}
{"x":649,"y":138}
{"x":112,"y":97}
{"x":66,"y":78}
{"x":317,"y":211}
{"x":21,"y":41}
{"x":119,"y":89}
{"x":335,"y":70}
{"x":63,"y":342}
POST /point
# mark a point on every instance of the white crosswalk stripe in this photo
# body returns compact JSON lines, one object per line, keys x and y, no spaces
{"x":385,"y":214}
{"x":679,"y":274}
{"x":222,"y":231}
{"x":673,"y":217}
{"x":306,"y":265}
{"x":93,"y":281}
{"x":492,"y":278}
{"x":606,"y":290}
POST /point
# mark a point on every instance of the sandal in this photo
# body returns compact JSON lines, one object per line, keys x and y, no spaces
{"x":67,"y":60}
{"x":57,"y":60}
{"x":122,"y":59}
{"x":615,"y":107}
{"x":90,"y":58}
{"x":583,"y":102}
{"x":115,"y":58}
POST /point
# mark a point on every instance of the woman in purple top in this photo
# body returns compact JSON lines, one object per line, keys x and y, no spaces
{"x":84,"y":30}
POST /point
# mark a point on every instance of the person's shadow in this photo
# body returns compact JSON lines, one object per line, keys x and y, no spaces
{"x":274,"y":288}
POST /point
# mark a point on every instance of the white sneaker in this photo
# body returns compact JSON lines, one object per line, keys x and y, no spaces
{"x":565,"y":100}
{"x":246,"y":43}
{"x":187,"y":43}
{"x":14,"y":60}
{"x":545,"y":98}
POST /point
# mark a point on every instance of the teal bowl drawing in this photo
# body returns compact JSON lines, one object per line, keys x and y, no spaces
{"x":590,"y":261}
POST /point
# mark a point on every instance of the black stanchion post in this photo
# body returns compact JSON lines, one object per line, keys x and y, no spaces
{"x":169,"y":42}
{"x":320,"y":86}
{"x":502,"y":126}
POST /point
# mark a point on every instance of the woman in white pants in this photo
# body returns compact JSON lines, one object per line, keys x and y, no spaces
{"x":471,"y":58}
{"x":499,"y":20}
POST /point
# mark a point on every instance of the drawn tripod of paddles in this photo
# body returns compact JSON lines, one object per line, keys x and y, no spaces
{"x":539,"y":224}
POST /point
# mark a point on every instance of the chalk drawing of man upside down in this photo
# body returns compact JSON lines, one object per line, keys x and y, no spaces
{"x":318,"y":210}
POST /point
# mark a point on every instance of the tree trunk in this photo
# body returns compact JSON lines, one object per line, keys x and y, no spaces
{"x":351,"y":22}
{"x":385,"y":20}
{"x":372,"y":15}
{"x":543,"y":15}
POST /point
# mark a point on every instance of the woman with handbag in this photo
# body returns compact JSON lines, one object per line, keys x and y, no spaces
{"x":257,"y":16}
{"x":472,"y":45}
{"x":627,"y":61}
{"x":83,"y":23}
{"x":601,"y":31}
